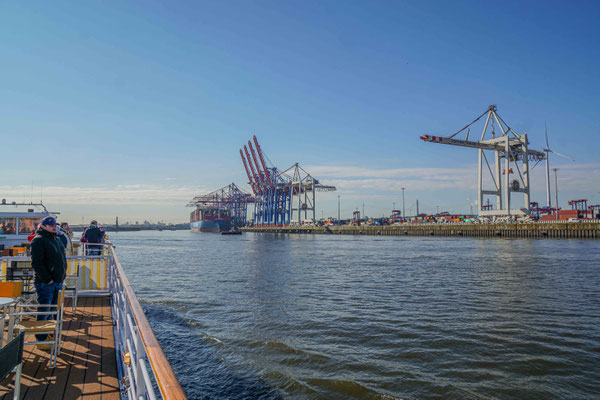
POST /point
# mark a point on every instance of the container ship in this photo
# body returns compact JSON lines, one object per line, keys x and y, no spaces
{"x":210,"y":219}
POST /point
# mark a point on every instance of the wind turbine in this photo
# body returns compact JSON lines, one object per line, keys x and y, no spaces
{"x":548,"y":151}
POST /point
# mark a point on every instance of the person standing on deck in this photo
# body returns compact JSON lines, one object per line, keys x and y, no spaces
{"x":50,"y":265}
{"x":64,"y":226}
{"x":64,"y":234}
{"x":93,"y":234}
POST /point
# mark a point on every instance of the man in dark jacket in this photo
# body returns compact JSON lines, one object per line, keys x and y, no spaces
{"x":93,"y":234}
{"x":50,"y":265}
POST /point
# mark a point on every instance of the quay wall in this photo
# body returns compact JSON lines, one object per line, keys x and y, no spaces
{"x":566,"y":230}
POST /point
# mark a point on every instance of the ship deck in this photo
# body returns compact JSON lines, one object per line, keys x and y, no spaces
{"x":86,"y":366}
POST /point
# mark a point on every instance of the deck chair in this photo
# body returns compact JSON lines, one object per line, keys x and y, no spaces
{"x":8,"y":289}
{"x":11,"y":359}
{"x":52,"y":326}
{"x":71,"y":282}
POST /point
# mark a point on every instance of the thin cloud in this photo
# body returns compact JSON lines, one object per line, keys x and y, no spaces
{"x":134,"y":194}
{"x":351,"y":179}
{"x":361,"y":172}
{"x":348,"y":178}
{"x":358,"y":182}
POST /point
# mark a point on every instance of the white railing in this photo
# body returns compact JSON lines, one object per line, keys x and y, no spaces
{"x":137,"y":349}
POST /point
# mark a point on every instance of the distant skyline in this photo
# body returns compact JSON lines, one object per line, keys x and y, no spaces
{"x":131,"y":109}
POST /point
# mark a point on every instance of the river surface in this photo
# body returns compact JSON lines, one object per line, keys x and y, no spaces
{"x":344,"y":317}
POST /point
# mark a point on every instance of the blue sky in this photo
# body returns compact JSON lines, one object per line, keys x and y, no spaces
{"x":131,"y":108}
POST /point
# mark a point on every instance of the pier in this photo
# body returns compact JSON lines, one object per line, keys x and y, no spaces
{"x":562,"y":230}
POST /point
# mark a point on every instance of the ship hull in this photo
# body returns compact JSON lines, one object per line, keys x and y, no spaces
{"x":212,"y":225}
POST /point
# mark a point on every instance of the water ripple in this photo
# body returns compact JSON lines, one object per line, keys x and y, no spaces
{"x":319,"y":317}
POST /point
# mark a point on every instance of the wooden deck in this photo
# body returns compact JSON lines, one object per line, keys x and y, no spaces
{"x":86,"y":367}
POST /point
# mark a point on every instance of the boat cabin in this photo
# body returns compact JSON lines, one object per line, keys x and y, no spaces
{"x":18,"y":220}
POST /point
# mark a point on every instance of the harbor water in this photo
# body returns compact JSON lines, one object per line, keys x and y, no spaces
{"x":354,"y":317}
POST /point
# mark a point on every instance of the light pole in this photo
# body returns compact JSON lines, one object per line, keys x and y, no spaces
{"x":321,"y":214}
{"x":556,"y":187}
{"x":339,"y":209}
{"x":403,"y":208}
{"x":437,"y":210}
{"x":394,"y":207}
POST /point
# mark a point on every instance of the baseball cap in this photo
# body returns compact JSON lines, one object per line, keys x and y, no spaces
{"x":48,"y":221}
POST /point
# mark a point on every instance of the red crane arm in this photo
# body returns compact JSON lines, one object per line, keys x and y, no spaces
{"x":248,"y":172}
{"x":260,"y":174}
{"x":252,"y":169}
{"x":262,"y":159}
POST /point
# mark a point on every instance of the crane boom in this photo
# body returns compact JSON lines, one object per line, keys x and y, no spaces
{"x":248,"y":172}
{"x":262,"y":159}
{"x":491,"y":144}
{"x":252,"y":169}
{"x":258,"y":170}
{"x":459,"y":142}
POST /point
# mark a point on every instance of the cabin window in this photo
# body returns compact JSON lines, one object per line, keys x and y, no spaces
{"x":27,"y":225}
{"x":7,"y":226}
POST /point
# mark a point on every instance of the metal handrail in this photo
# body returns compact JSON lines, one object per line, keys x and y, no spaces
{"x":137,"y":349}
{"x":135,"y":343}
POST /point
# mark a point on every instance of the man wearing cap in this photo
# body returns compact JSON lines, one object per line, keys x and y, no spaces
{"x":50,"y":264}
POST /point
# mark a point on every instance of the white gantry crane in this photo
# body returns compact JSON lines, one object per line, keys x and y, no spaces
{"x":303,"y":188}
{"x":507,"y":145}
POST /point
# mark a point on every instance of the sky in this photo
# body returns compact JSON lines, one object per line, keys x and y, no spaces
{"x":129,"y":109}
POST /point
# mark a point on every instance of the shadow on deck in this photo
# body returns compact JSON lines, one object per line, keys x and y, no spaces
{"x":86,"y":366}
